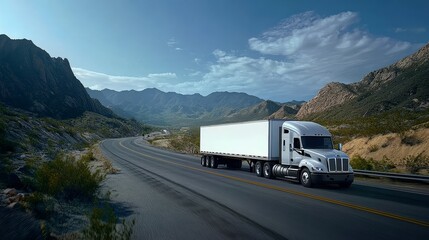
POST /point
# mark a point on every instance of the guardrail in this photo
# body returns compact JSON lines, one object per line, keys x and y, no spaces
{"x":396,"y":176}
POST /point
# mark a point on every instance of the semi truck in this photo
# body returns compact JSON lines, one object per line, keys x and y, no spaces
{"x":298,"y":150}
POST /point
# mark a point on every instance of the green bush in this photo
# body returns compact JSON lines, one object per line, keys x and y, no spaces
{"x":68,"y":178}
{"x":382,"y":165}
{"x":410,"y":140}
{"x":416,"y":163}
{"x":361,"y":163}
{"x":102,"y":225}
{"x":88,"y":157}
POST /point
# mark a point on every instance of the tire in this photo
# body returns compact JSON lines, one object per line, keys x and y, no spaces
{"x":268,"y":170}
{"x":258,"y":168}
{"x":203,"y":160}
{"x":209,"y":161}
{"x":214,"y":162}
{"x":305,"y":178}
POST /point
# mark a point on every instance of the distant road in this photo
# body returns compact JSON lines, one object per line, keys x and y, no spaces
{"x":171,"y":196}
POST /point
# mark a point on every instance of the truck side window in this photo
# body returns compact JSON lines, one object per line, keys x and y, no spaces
{"x":296,"y":143}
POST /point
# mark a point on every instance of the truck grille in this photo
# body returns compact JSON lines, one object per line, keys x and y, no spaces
{"x":338,"y":164}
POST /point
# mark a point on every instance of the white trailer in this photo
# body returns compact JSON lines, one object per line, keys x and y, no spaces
{"x":277,"y":148}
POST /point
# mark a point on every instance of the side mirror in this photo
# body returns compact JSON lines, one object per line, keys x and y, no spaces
{"x":340,"y":146}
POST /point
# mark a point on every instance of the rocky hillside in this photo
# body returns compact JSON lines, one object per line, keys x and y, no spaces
{"x":31,"y":80}
{"x":24,"y":132}
{"x":403,"y":85}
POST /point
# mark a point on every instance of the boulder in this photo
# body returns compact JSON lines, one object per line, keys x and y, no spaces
{"x":10,"y":192}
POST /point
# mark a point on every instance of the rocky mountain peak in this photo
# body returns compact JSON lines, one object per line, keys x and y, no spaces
{"x":331,"y":95}
{"x":31,"y":80}
{"x":335,"y":94}
{"x":420,"y":57}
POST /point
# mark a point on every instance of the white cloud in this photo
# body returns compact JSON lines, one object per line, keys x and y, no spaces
{"x":99,"y":81}
{"x":302,"y":54}
{"x":173,"y":43}
{"x":296,"y":58}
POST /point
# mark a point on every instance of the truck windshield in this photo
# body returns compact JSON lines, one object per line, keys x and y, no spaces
{"x":317,"y":142}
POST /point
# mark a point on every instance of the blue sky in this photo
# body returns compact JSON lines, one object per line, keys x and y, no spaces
{"x":279,"y":50}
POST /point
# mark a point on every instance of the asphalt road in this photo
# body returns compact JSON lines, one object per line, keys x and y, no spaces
{"x":171,"y":196}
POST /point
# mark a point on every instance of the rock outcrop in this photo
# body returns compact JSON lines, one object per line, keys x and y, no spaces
{"x":31,"y":80}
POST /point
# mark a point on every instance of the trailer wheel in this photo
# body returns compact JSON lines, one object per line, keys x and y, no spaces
{"x":214,"y":162}
{"x":258,"y":168}
{"x":268,"y":170}
{"x":209,"y":161}
{"x":203,"y":160}
{"x":305,"y":178}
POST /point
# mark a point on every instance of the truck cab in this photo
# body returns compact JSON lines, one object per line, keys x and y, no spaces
{"x":308,"y":154}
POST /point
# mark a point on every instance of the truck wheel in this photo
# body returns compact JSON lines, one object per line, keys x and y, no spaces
{"x":214,"y":162}
{"x":203,"y":160}
{"x":206,"y":160}
{"x":305,"y":178}
{"x":258,"y":169}
{"x":268,"y":170}
{"x":209,"y":161}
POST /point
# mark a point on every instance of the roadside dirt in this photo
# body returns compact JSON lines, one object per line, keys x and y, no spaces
{"x":394,"y":146}
{"x":163,"y":143}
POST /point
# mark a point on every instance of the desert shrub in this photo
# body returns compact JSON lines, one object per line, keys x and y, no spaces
{"x":373,"y":148}
{"x":410,"y":140}
{"x":415,"y":163}
{"x":41,"y":205}
{"x":361,"y":163}
{"x":102,"y":225}
{"x":188,"y":142}
{"x":88,"y":157}
{"x":383,"y":165}
{"x":68,"y":178}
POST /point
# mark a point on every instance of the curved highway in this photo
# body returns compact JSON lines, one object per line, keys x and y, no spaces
{"x":171,"y":196}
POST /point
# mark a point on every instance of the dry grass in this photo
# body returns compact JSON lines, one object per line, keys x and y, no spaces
{"x":101,"y":162}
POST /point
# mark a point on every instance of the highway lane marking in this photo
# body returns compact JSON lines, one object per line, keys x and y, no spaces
{"x":290,"y":191}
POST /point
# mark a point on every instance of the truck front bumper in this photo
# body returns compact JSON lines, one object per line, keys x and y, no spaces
{"x":337,"y":178}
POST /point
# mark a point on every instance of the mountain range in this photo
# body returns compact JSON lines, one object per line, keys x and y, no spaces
{"x":156,"y":107}
{"x":32,"y":80}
